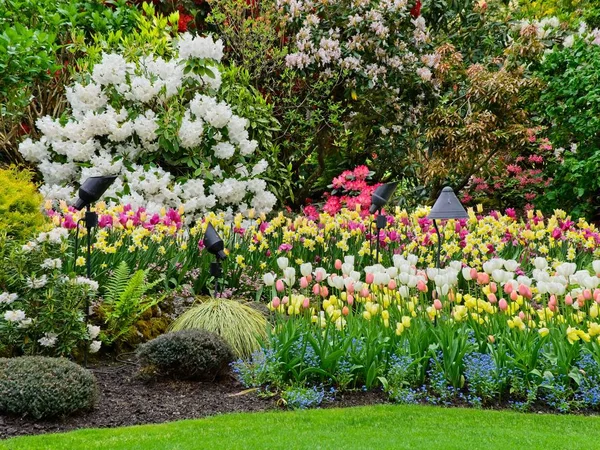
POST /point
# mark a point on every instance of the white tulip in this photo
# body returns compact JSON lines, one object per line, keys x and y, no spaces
{"x":412,"y":259}
{"x":511,"y":265}
{"x":269,"y":279}
{"x":466,"y":273}
{"x":392,"y":272}
{"x":404,"y":292}
{"x":540,"y":263}
{"x":456,"y":265}
{"x":289,"y":275}
{"x":283,"y":262}
{"x":306,"y":269}
{"x":347,"y":268}
{"x":355,"y":275}
{"x":403,"y":278}
{"x":349,"y":260}
{"x":596,"y":266}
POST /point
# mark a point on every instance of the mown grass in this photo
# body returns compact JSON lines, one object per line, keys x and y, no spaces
{"x":382,"y":426}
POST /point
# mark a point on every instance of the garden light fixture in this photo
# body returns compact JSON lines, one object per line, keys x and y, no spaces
{"x":215,"y":245}
{"x":90,"y":191}
{"x":447,"y":206}
{"x":379,"y":199}
{"x":213,"y":242}
{"x":381,"y":196}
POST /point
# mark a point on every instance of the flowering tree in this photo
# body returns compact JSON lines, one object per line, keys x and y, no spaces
{"x":156,"y":124}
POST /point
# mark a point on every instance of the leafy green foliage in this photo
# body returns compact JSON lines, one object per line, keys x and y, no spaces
{"x":125,"y":301}
{"x":186,"y":354}
{"x":239,"y":325}
{"x":20,"y":204}
{"x":570,"y":103}
{"x":45,"y":387}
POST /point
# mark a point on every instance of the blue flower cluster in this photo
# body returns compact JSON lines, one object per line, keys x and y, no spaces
{"x":589,"y":390}
{"x":303,"y":348}
{"x":481,"y":374}
{"x":254,"y":371}
{"x":297,"y":397}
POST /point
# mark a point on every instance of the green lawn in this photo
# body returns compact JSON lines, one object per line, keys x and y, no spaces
{"x":394,"y":427}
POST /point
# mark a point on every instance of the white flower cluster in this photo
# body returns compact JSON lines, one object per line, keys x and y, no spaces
{"x":51,"y":264}
{"x":7,"y":298}
{"x":364,"y":45}
{"x":107,"y":141}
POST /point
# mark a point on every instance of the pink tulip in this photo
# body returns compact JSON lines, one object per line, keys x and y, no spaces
{"x":492,"y":298}
{"x":587,"y":294}
{"x":503,"y":305}
{"x":303,"y":283}
{"x":316,"y":289}
{"x":285,"y":300}
{"x":306,"y":303}
{"x":279,"y":286}
{"x":524,"y":291}
{"x":309,"y":278}
{"x":350,"y":300}
{"x":319,"y":277}
{"x":369,"y":278}
{"x":597,"y":295}
{"x":338,"y":264}
{"x":493,"y":287}
{"x":364,"y":292}
{"x":276,"y":302}
{"x":522,"y":315}
{"x":508,"y":288}
{"x":552,"y":307}
{"x":473,"y":274}
{"x":568,"y":300}
{"x":350,"y":288}
{"x":392,"y":285}
{"x":324,"y":291}
{"x":345,"y":311}
{"x":422,"y":286}
{"x":437,"y":304}
{"x":483,"y":278}
{"x":514,"y":296}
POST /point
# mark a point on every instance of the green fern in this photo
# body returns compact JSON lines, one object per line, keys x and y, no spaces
{"x":125,"y":301}
{"x":117,"y":283}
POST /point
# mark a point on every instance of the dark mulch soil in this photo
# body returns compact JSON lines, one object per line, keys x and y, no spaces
{"x":126,"y":400}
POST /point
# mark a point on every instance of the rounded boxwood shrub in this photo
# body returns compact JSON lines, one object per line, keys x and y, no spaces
{"x":45,"y":387}
{"x":186,"y":354}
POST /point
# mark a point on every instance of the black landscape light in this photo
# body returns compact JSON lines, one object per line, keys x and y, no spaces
{"x":381,"y":196}
{"x":447,"y":206}
{"x":90,"y":191}
{"x":215,"y":245}
{"x":379,"y":199}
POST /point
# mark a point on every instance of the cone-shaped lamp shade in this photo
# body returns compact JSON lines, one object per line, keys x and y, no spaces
{"x":381,"y":196}
{"x":447,"y":206}
{"x":92,"y":189}
{"x":213,"y":242}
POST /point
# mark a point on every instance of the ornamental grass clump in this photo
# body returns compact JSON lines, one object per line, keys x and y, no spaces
{"x":44,"y":387}
{"x":186,"y":354}
{"x":239,"y":325}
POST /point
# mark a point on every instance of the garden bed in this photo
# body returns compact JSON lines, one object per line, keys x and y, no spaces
{"x":127,"y":400}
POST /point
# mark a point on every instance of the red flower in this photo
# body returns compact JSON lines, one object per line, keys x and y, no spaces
{"x":416,"y":10}
{"x":184,"y":19}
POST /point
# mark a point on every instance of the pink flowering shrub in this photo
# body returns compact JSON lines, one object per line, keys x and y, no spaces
{"x":519,"y":181}
{"x":351,"y":190}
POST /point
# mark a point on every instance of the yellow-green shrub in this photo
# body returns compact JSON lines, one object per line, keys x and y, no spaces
{"x":20,"y":203}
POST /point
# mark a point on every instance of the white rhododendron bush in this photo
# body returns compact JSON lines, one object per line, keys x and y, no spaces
{"x":158,"y":125}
